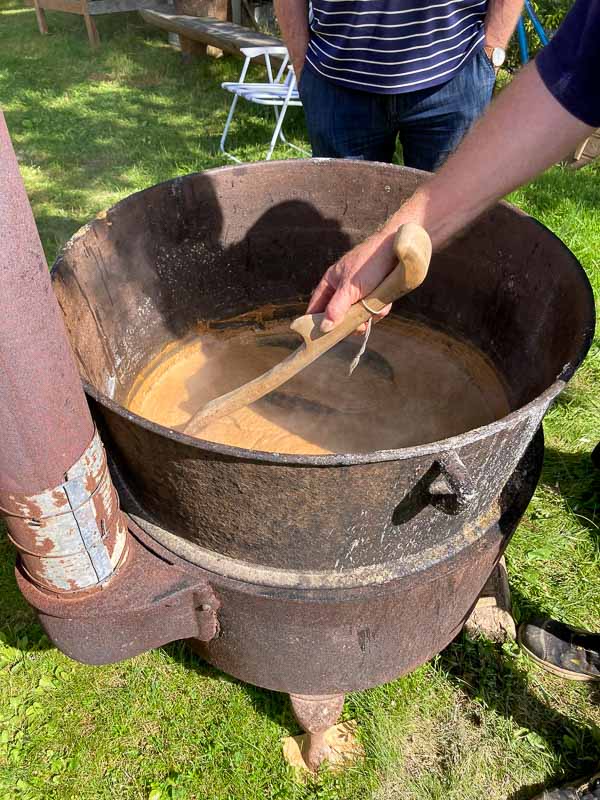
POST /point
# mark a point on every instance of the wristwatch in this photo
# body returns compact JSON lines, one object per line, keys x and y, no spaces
{"x":497,"y":55}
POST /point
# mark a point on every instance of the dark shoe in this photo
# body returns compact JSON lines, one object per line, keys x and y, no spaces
{"x":588,"y":789}
{"x":596,"y":456}
{"x":562,"y":650}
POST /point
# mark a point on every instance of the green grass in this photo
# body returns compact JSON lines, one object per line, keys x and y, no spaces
{"x":479,"y":721}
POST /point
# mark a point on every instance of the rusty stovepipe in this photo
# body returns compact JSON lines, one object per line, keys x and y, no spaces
{"x":56,"y":493}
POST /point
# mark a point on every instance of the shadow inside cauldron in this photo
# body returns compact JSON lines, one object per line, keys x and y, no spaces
{"x":202,"y":268}
{"x":185,"y":253}
{"x":201,"y":272}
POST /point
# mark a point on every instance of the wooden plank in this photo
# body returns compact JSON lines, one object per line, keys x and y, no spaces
{"x":586,"y":152}
{"x":121,"y":6}
{"x":69,"y":6}
{"x":225,"y":35}
{"x":200,"y":8}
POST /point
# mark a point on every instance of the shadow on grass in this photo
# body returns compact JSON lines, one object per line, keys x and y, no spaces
{"x":485,"y":673}
{"x":480,"y":669}
{"x":575,"y":478}
{"x":274,"y":705}
{"x":18,"y":623}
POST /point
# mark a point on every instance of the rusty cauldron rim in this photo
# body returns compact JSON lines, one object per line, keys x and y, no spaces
{"x":344,"y":459}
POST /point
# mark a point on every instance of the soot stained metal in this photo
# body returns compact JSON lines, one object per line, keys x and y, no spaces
{"x":310,"y":575}
{"x":61,"y":508}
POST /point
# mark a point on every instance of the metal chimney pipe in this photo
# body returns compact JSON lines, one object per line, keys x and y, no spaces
{"x":56,"y":492}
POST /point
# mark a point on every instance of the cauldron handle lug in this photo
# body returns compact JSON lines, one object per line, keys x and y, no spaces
{"x":452,"y":490}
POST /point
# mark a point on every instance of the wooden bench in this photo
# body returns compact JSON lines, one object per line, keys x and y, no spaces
{"x":588,"y":151}
{"x":88,"y":9}
{"x":208,"y":31}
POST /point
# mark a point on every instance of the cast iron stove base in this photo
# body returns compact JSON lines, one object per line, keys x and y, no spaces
{"x":314,"y":644}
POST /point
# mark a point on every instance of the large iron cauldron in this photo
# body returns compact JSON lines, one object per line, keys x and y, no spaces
{"x":351,"y":538}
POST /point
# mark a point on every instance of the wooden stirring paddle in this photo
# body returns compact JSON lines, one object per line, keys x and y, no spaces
{"x":413,"y":249}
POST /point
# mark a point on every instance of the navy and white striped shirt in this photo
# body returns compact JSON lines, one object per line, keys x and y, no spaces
{"x":393,"y":46}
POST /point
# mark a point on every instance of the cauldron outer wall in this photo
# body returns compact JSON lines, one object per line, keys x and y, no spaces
{"x":208,"y":246}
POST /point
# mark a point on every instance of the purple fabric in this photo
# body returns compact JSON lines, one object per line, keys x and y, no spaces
{"x":570,"y":65}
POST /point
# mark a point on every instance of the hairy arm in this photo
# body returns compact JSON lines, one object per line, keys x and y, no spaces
{"x":524,"y":131}
{"x":292,"y":16}
{"x":500,"y":21}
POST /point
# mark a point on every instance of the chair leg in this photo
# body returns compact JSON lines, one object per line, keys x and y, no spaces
{"x":278,"y":133}
{"x":280,"y":116}
{"x":226,"y":131}
{"x":281,"y":136}
{"x":92,"y":30}
{"x":41,"y":18}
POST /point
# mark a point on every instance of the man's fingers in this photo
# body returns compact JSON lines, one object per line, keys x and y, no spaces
{"x":320,"y":297}
{"x":337,"y":308}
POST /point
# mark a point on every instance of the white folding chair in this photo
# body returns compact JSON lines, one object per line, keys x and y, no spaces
{"x":279,"y":91}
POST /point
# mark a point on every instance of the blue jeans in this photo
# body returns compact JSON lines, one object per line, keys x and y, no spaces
{"x":346,"y":123}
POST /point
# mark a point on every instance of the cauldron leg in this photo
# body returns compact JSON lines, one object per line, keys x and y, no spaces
{"x":316,"y":713}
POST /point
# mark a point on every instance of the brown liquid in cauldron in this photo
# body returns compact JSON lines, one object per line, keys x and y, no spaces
{"x":413,"y":385}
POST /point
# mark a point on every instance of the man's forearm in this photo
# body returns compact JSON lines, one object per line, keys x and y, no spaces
{"x":525,"y":131}
{"x":292,"y":16}
{"x":500,"y":21}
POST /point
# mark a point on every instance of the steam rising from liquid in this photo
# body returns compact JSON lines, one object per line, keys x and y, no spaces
{"x":413,"y":385}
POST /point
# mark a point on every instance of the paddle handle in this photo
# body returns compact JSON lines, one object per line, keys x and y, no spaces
{"x":412,"y":246}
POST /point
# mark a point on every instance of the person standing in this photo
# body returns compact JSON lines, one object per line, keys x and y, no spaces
{"x":372,"y":71}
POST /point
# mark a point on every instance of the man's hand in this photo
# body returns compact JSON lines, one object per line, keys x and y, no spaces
{"x":298,"y":64}
{"x":353,"y":277}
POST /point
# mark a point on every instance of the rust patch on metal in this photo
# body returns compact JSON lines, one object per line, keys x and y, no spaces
{"x":59,"y":499}
{"x":73,"y":536}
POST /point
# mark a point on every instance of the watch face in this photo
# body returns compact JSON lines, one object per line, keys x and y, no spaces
{"x":498,"y":56}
